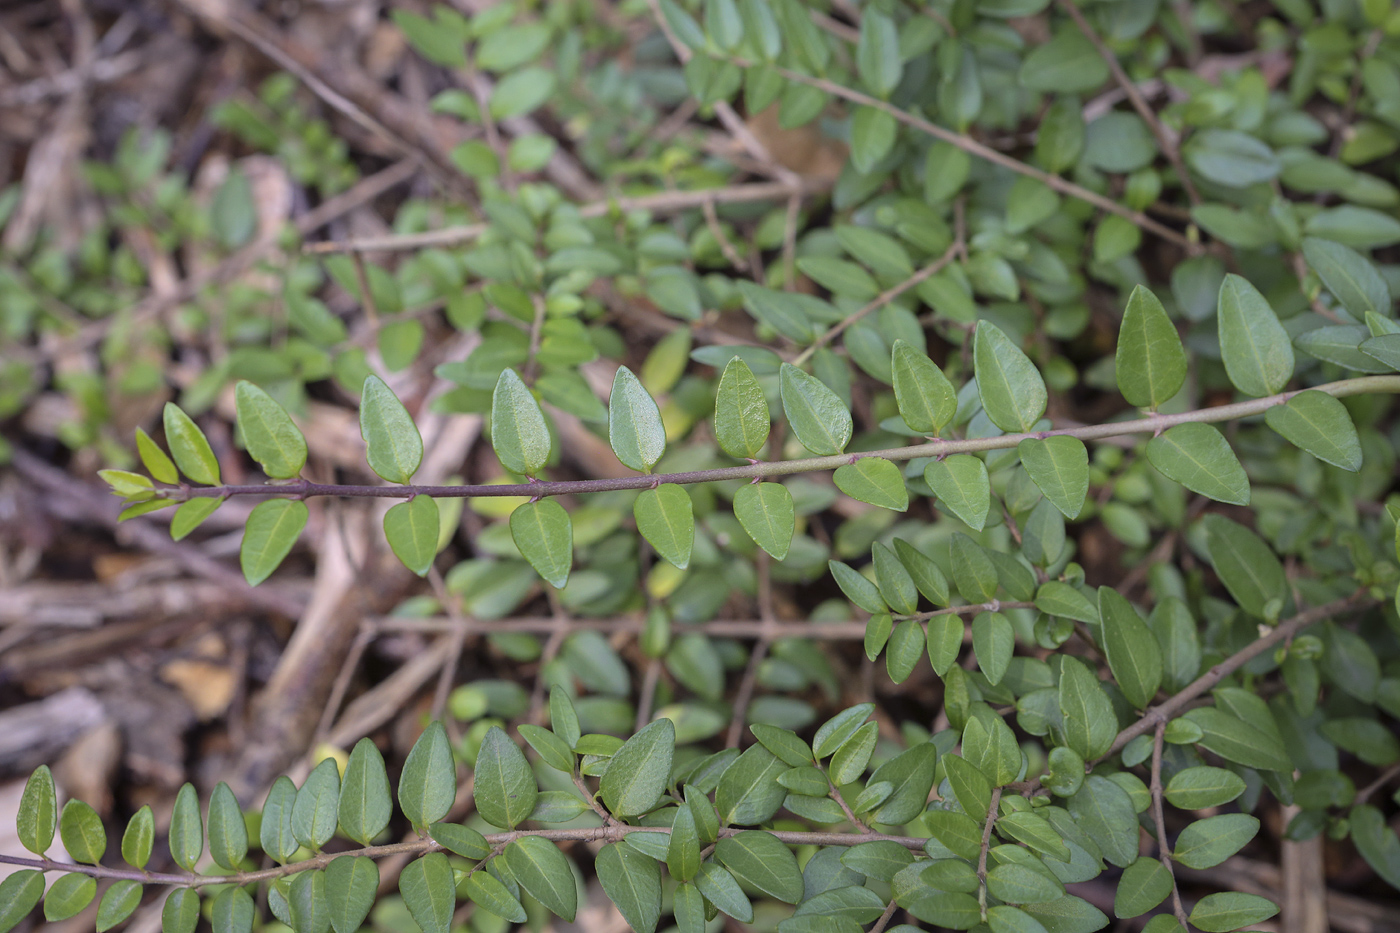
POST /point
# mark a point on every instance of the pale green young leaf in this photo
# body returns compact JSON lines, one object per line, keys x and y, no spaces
{"x":927,"y":401}
{"x":666,"y":518}
{"x":393,"y":446}
{"x":316,"y":811}
{"x":428,"y":784}
{"x":272,"y":438}
{"x":961,"y":483}
{"x":1133,"y":653}
{"x":1349,"y":276}
{"x":180,"y":912}
{"x":156,"y":461}
{"x":68,"y":896}
{"x":519,"y":434}
{"x":1198,"y":457}
{"x":993,"y":643}
{"x":118,"y":902}
{"x":1089,"y":723}
{"x":191,"y":513}
{"x":366,"y":802}
{"x":742,"y":419}
{"x":545,"y":536}
{"x":637,"y":775}
{"x":1230,"y":910}
{"x":1012,"y":389}
{"x":272,"y":529}
{"x":411,"y":528}
{"x":190,"y":447}
{"x":487,"y":892}
{"x":767,"y":514}
{"x":873,"y":480}
{"x":505,"y":789}
{"x":819,"y":419}
{"x":1257,"y":352}
{"x":543,"y":871}
{"x":759,"y":860}
{"x":1059,"y":466}
{"x":429,"y":892}
{"x":80,"y":829}
{"x":1245,"y":564}
{"x":1321,"y":425}
{"x":877,"y":53}
{"x":632,"y":881}
{"x":634,"y":423}
{"x":1150,"y":364}
{"x":38,"y":811}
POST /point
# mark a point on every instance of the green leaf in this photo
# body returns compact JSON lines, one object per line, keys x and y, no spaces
{"x":38,"y":812}
{"x":634,"y":423}
{"x":1060,"y":599}
{"x":393,"y":445}
{"x":1217,"y":913}
{"x":1348,"y":275}
{"x":1198,"y":457}
{"x":1375,"y":840}
{"x":505,"y":786}
{"x":954,"y":911}
{"x":139,"y":838}
{"x":233,"y":911}
{"x":1105,"y":811}
{"x":1237,"y":741}
{"x":1321,"y":425}
{"x":666,"y":519}
{"x":945,"y":638}
{"x":180,"y":912}
{"x":1133,"y":653}
{"x":521,"y":92}
{"x":190,"y":447}
{"x":1012,"y":390}
{"x":632,"y":881}
{"x":1206,"y":843}
{"x":1067,"y":64}
{"x":877,"y":53}
{"x":352,"y":883}
{"x":781,"y":311}
{"x":186,"y":829}
{"x":365,"y":799}
{"x":1245,"y":564}
{"x":749,"y":792}
{"x":1257,"y":352}
{"x":819,"y":419}
{"x":992,"y":748}
{"x":906,"y":646}
{"x":928,"y":578}
{"x":683,"y":848}
{"x":961,"y":482}
{"x":971,"y":787}
{"x":411,"y":529}
{"x":1016,"y":883}
{"x":958,"y":832}
{"x":81,"y":830}
{"x":911,"y":775}
{"x":545,"y":536}
{"x":461,"y":840}
{"x":20,"y":891}
{"x":742,"y":420}
{"x":720,"y":889}
{"x":428,"y":784}
{"x":1089,"y":723}
{"x":428,"y":892}
{"x":1230,"y":157}
{"x":895,"y":583}
{"x":927,"y":401}
{"x":768,"y":516}
{"x":873,"y":480}
{"x":317,"y":809}
{"x":272,"y":529}
{"x":1150,"y":364}
{"x":993,"y":643}
{"x":272,"y":438}
{"x":1201,"y":787}
{"x":1059,"y":466}
{"x":67,"y":897}
{"x":276,"y":832}
{"x":1006,"y":919}
{"x":857,"y":587}
{"x":518,"y":430}
{"x":191,"y":513}
{"x":544,"y":873}
{"x":784,"y":743}
{"x":554,"y":751}
{"x":973,"y":570}
{"x":309,"y":903}
{"x":487,"y":892}
{"x":759,"y":860}
{"x":118,"y":902}
{"x":637,"y":775}
{"x":159,"y":465}
{"x":1144,"y":885}
{"x":228,"y":834}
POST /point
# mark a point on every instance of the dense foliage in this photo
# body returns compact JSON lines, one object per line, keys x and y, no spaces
{"x":1071,"y":387}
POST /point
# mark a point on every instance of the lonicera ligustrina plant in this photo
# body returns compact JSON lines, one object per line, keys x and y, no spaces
{"x":1017,"y":239}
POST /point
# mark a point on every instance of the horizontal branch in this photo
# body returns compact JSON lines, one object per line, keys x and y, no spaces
{"x":1151,"y":424}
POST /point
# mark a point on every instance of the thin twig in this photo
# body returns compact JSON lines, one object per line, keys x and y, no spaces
{"x":986,"y":845}
{"x":1163,"y":850}
{"x":1388,"y":775}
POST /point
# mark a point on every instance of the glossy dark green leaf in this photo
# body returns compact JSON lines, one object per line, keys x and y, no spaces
{"x":1012,"y":390}
{"x":317,"y":809}
{"x":80,"y":829}
{"x":1089,"y":723}
{"x":873,"y":480}
{"x":228,"y":834}
{"x":180,"y":912}
{"x":1198,"y":457}
{"x":271,"y":531}
{"x":742,"y":419}
{"x":38,"y":811}
{"x":634,"y":423}
{"x":1067,"y":64}
{"x":1321,"y":425}
{"x":819,"y":419}
{"x":233,"y":911}
{"x":960,"y":481}
{"x":190,"y":447}
{"x":1206,"y":843}
{"x":1059,"y":466}
{"x":1150,"y":364}
{"x":487,"y":892}
{"x":544,"y":873}
{"x":768,"y":516}
{"x":1257,"y":352}
{"x":1144,"y":885}
{"x":505,"y":788}
{"x":393,"y":445}
{"x":1245,"y":564}
{"x":411,"y":529}
{"x":428,"y":892}
{"x":666,"y":518}
{"x":366,"y":802}
{"x":68,"y":896}
{"x":632,"y":881}
{"x":1217,"y":913}
{"x":272,"y":438}
{"x":544,"y":534}
{"x":759,"y":860}
{"x":637,"y":775}
{"x":428,"y":783}
{"x":518,"y":430}
{"x":927,"y":401}
{"x":1133,"y":653}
